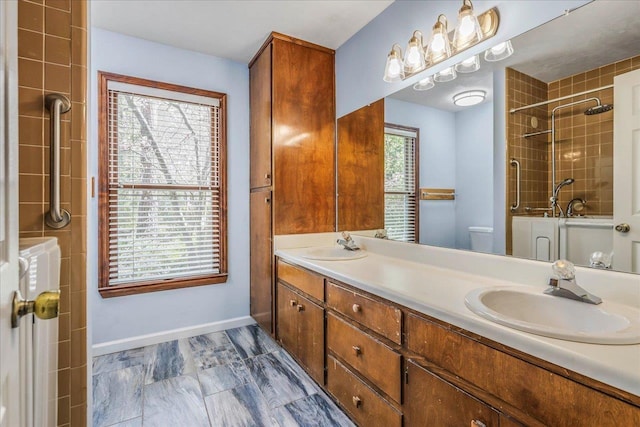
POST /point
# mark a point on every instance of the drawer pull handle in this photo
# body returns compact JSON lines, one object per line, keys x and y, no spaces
{"x":477,"y":423}
{"x":356,"y":350}
{"x":356,"y":401}
{"x":300,"y":307}
{"x":293,"y":302}
{"x":267,"y":176}
{"x":356,"y":308}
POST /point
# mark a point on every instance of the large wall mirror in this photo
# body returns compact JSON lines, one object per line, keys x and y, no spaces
{"x":482,"y":176}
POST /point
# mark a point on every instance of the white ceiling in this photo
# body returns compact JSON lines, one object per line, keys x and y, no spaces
{"x":597,"y":34}
{"x":235,"y":29}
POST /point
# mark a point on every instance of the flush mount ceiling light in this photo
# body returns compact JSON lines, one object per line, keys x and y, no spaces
{"x":424,"y":84}
{"x":470,"y":30}
{"x":499,"y":52}
{"x":469,"y":65}
{"x":445,"y":75}
{"x":468,"y":98}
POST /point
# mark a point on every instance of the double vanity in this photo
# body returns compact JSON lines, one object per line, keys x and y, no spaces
{"x":389,"y":332}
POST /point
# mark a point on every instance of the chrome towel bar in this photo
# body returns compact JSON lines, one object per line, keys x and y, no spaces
{"x":516,"y":163}
{"x":57,"y":104}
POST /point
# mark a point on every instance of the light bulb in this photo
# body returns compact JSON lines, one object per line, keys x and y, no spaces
{"x":393,"y":70}
{"x":438,"y":48}
{"x":414,"y":59}
{"x":445,"y":75}
{"x":438,"y":43}
{"x":469,"y":65}
{"x":499,"y":52}
{"x":468,"y":30}
{"x":466,"y":26}
{"x":424,"y":84}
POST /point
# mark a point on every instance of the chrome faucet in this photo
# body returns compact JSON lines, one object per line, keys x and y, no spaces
{"x":556,"y":190}
{"x":573,"y":204}
{"x":565,"y":285}
{"x":347,"y":242}
{"x":381,"y":234}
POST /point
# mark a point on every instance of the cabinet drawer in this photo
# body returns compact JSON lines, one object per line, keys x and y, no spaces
{"x":304,"y":280}
{"x":364,"y":405}
{"x":541,"y":394}
{"x":375,"y":315}
{"x":372,"y":358}
{"x":432,"y":401}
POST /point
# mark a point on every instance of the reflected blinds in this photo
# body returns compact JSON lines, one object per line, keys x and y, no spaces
{"x":400,"y":184}
{"x":164,"y":194}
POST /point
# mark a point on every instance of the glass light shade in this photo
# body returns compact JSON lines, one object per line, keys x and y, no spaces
{"x":468,"y":98}
{"x":499,"y":52}
{"x":439,"y":47}
{"x":445,"y":75}
{"x":414,"y":55}
{"x":468,"y":31}
{"x":469,"y":65}
{"x":394,"y":70}
{"x":424,"y":84}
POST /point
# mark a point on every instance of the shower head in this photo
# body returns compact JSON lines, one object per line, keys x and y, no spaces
{"x":598,"y":109}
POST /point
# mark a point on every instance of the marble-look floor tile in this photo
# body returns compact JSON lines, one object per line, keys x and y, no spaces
{"x":117,"y":396}
{"x":135,"y":422}
{"x":213,"y":350}
{"x":223,"y":377}
{"x":175,"y":402}
{"x":251,"y":341}
{"x":315,"y":410}
{"x":120,"y":360}
{"x":243,"y":406}
{"x":277,"y":378}
{"x":168,"y":360}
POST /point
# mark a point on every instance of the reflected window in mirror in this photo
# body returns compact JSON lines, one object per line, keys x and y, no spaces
{"x":400,"y":182}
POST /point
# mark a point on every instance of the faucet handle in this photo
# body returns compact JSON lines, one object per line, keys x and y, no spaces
{"x":346,"y":236}
{"x":564,"y":269}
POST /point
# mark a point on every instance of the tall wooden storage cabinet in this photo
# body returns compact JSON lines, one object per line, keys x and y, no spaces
{"x":292,"y":91}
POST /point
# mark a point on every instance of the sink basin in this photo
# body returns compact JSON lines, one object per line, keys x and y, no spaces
{"x":332,"y":253}
{"x":530,"y":310}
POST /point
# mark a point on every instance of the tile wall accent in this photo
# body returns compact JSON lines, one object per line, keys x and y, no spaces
{"x":52,"y":51}
{"x":584,"y":144}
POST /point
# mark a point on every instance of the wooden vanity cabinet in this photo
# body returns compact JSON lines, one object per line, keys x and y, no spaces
{"x":292,"y":151}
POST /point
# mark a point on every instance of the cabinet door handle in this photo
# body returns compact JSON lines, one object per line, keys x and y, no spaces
{"x":356,"y":308}
{"x":477,"y":423}
{"x":300,"y":307}
{"x":267,"y":200}
{"x":293,"y":302}
{"x":356,"y":350}
{"x":267,"y":176}
{"x":356,"y":401}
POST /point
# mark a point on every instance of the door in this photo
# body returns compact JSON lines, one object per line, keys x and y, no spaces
{"x":626,"y":180}
{"x":311,"y":337}
{"x":260,"y":110}
{"x":287,"y":324}
{"x":261,"y":293}
{"x":10,"y":387}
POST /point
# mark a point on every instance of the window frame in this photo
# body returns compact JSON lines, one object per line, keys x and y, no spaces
{"x":138,"y":287}
{"x":416,"y":176}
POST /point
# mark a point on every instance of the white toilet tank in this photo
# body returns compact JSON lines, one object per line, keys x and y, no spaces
{"x":481,"y":239}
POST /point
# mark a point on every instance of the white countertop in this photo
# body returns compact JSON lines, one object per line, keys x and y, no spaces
{"x":414,"y":276}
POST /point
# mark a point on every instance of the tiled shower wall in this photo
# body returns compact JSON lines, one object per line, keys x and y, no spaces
{"x":52,"y":51}
{"x":584,"y":144}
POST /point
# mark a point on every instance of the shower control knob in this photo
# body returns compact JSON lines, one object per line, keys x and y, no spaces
{"x":623,"y":228}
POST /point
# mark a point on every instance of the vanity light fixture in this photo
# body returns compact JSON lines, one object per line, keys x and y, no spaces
{"x":439,"y":47}
{"x":470,"y":30}
{"x":445,"y":75}
{"x":499,"y":52}
{"x":394,"y":70}
{"x":469,"y":65}
{"x":414,"y":58}
{"x":424,"y":84}
{"x":469,"y":98}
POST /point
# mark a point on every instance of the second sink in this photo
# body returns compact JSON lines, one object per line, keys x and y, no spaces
{"x":332,"y":253}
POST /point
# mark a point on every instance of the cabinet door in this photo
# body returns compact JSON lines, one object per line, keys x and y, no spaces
{"x":430,"y":400}
{"x":311,"y":338}
{"x":260,"y":110}
{"x":261,"y":293}
{"x":287,"y":318}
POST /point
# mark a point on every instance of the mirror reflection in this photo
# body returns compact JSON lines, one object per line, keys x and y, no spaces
{"x":534,"y":169}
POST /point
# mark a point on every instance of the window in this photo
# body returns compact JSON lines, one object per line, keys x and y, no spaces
{"x":162,"y":198}
{"x":400,"y":172}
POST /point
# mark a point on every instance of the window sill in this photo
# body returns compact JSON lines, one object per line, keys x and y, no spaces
{"x":144,"y":287}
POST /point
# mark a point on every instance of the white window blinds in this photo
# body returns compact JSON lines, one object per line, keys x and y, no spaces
{"x":400,"y":184}
{"x":164,"y":200}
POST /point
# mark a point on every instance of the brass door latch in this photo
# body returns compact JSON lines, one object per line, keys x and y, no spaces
{"x":45,"y":306}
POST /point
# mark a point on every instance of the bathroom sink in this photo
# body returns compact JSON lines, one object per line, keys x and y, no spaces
{"x":333,"y":253}
{"x":530,"y":310}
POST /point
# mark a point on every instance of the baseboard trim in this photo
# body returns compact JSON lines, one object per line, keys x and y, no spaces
{"x":173,"y":334}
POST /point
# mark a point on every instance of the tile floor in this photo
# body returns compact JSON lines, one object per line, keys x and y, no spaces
{"x":238,"y":377}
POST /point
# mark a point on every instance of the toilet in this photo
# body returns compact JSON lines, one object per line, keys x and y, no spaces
{"x":481,"y":239}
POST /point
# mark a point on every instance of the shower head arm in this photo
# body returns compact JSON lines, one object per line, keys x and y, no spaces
{"x":571,"y":104}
